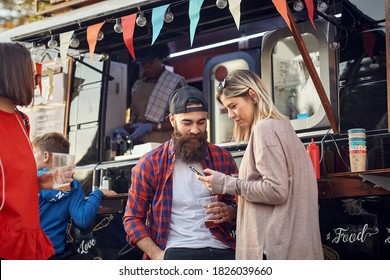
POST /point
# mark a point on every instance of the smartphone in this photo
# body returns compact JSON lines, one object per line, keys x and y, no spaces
{"x":196,"y":171}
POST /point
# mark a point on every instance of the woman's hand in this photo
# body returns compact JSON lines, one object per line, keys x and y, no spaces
{"x":207,"y":179}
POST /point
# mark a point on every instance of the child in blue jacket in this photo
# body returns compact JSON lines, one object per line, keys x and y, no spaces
{"x":57,"y":206}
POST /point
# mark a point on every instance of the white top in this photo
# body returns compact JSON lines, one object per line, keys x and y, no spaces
{"x":187,"y":228}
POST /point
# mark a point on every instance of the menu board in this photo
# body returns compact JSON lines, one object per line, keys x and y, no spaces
{"x":47,"y":111}
{"x":356,"y":228}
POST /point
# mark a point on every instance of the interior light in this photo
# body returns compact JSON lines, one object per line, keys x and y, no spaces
{"x":216,"y":45}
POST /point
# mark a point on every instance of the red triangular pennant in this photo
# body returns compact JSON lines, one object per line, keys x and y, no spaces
{"x":128,"y":24}
{"x":92,"y":33}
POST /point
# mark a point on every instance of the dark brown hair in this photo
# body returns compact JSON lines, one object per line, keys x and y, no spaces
{"x":17,"y":74}
{"x":52,"y":142}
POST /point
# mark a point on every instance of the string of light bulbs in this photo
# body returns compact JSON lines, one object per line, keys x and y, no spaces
{"x":322,"y":6}
{"x":141,"y":21}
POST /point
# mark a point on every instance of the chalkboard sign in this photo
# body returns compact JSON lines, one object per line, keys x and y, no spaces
{"x":356,"y":228}
{"x":105,"y":240}
{"x":47,"y":111}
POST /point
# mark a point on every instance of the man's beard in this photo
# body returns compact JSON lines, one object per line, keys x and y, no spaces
{"x":187,"y":149}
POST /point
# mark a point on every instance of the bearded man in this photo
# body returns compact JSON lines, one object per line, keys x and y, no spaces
{"x":163,"y":216}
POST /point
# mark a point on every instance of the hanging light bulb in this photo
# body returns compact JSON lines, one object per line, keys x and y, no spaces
{"x":168,"y":17}
{"x":100,"y":36}
{"x":118,"y":26}
{"x":298,"y":5}
{"x":141,"y":19}
{"x":221,"y":4}
{"x":322,"y":6}
{"x":52,"y":44}
{"x":74,"y":42}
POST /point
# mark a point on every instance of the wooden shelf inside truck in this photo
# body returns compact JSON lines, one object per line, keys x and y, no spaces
{"x":350,"y":184}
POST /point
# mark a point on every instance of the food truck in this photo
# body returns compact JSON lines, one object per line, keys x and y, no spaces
{"x":324,"y":64}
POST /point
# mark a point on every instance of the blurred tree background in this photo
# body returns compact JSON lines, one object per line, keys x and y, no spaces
{"x":16,"y":12}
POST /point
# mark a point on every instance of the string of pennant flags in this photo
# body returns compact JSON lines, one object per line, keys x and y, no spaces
{"x":128,"y":23}
{"x":158,"y":18}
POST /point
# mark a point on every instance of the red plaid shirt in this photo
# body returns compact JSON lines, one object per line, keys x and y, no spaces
{"x":150,"y":195}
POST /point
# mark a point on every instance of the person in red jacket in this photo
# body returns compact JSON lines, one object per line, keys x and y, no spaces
{"x":21,"y":236}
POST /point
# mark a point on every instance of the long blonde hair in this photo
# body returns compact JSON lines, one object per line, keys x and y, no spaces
{"x":238,"y":84}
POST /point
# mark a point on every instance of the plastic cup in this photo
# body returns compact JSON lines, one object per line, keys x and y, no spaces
{"x":357,"y":139}
{"x":363,"y":143}
{"x":62,"y":163}
{"x":357,"y":135}
{"x":358,"y":161}
{"x":357,"y":147}
{"x":357,"y":151}
{"x":204,"y":202}
{"x":356,"y":130}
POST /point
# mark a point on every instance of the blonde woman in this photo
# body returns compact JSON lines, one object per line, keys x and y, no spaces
{"x":277,"y":191}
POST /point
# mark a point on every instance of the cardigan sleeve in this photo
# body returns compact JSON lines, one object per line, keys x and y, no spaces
{"x":270,"y":170}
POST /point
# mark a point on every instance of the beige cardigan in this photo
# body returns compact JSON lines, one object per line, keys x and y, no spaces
{"x":278,"y":196}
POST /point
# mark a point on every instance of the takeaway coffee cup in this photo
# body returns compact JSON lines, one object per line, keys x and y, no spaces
{"x":63,"y":166}
{"x":204,"y":202}
{"x":357,"y":159}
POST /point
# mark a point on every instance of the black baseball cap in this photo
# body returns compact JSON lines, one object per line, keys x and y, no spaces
{"x":180,"y":97}
{"x":152,"y":52}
